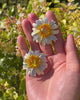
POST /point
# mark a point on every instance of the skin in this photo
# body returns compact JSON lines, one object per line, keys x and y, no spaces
{"x":61,"y":80}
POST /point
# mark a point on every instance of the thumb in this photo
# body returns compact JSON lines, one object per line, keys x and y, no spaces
{"x":72,"y":58}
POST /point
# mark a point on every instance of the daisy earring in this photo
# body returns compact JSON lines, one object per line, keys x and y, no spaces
{"x":35,"y":63}
{"x":44,"y":32}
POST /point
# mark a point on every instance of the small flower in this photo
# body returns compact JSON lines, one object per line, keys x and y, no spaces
{"x":75,"y":31}
{"x":18,"y":22}
{"x":69,"y":4}
{"x":41,"y":1}
{"x":21,"y":14}
{"x":9,"y":33}
{"x":34,"y":63}
{"x":44,"y":32}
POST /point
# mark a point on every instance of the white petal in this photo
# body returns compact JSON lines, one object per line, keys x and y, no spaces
{"x":38,"y":22}
{"x":43,"y":42}
{"x":35,"y":37}
{"x":32,"y":73}
{"x":34,"y":29}
{"x":24,"y":63}
{"x":18,"y":22}
{"x":28,"y":72}
{"x":41,"y":68}
{"x":34,"y":25}
{"x":37,"y":71}
{"x":54,"y":26}
{"x":41,"y":1}
{"x":55,"y":32}
{"x":42,"y":55}
{"x":21,"y":14}
{"x":47,"y":41}
{"x":35,"y":32}
{"x":31,"y":52}
{"x":52,"y":23}
{"x":25,"y":66}
{"x":52,"y":37}
{"x":43,"y":60}
{"x":50,"y":42}
{"x":39,"y":39}
{"x":37,"y":52}
{"x":26,"y":56}
{"x":45,"y":20}
{"x":44,"y":65}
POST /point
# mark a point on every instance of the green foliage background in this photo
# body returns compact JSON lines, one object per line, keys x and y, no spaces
{"x":12,"y":76}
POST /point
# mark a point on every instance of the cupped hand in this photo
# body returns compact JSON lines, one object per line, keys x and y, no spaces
{"x":61,"y":80}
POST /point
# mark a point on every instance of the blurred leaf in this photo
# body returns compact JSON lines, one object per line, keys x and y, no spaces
{"x":12,"y":10}
{"x":72,"y":7}
{"x":0,"y":11}
{"x":63,"y":5}
{"x":29,"y":8}
{"x":64,"y":21}
{"x":78,"y":7}
{"x":70,"y":0}
{"x":23,"y":85}
{"x":56,"y":1}
{"x":20,"y":98}
{"x":4,"y":5}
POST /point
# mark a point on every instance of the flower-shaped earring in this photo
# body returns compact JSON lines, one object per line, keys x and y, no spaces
{"x":34,"y":63}
{"x":44,"y":32}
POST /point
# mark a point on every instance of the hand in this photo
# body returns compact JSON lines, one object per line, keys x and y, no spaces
{"x":62,"y":80}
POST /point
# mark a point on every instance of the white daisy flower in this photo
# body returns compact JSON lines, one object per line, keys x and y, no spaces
{"x":34,"y":63}
{"x":18,"y":22}
{"x":44,"y":32}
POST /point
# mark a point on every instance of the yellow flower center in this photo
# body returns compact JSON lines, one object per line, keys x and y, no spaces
{"x":45,"y":30}
{"x":33,"y":61}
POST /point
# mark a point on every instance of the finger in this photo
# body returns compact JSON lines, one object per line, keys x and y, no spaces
{"x":22,"y":45}
{"x":47,"y":49}
{"x":59,"y":44}
{"x":28,"y":30}
{"x":72,"y":55}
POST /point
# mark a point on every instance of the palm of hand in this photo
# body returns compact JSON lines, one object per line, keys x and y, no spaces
{"x":45,"y":86}
{"x":57,"y":83}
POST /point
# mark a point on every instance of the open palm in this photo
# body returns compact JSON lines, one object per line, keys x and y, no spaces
{"x":61,"y":79}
